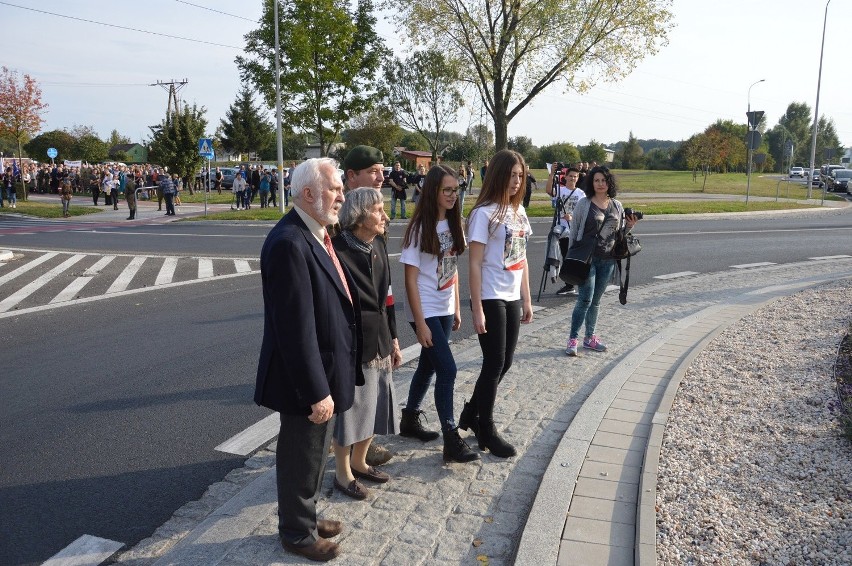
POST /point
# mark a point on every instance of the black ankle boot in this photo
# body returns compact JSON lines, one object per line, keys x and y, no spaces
{"x":468,"y":418}
{"x":456,"y":449}
{"x":488,"y":438}
{"x":409,"y":425}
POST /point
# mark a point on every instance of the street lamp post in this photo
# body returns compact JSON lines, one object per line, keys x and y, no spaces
{"x":748,"y":166}
{"x":280,"y":142}
{"x":816,"y":106}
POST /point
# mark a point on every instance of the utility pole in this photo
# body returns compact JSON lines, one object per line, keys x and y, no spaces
{"x":173,"y":87}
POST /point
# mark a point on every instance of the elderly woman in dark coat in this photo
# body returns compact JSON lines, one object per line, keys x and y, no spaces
{"x":360,"y":245}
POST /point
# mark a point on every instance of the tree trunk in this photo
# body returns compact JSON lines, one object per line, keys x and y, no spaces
{"x":25,"y":194}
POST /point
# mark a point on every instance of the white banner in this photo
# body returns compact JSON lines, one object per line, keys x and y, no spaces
{"x":77,"y":164}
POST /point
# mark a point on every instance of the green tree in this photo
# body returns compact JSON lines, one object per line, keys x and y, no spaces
{"x":515,"y":50}
{"x":659,"y":159}
{"x":245,"y":129}
{"x":376,"y":128}
{"x":116,"y":138}
{"x":413,"y":141}
{"x":593,"y":151}
{"x":59,"y":139}
{"x":330,"y":56}
{"x":462,"y":148}
{"x":91,"y":148}
{"x":559,"y":152}
{"x":631,"y":155}
{"x":798,"y":122}
{"x":174,"y":142}
{"x":424,"y":93}
{"x":827,"y":142}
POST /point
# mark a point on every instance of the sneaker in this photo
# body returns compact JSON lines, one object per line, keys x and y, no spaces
{"x":593,"y":343}
{"x":571,"y":350}
{"x":566,"y":290}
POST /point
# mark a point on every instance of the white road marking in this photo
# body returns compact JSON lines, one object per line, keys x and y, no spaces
{"x":27,"y":266}
{"x":205,"y":268}
{"x":118,"y":294}
{"x":123,"y":280}
{"x":37,"y":284}
{"x":167,"y":272}
{"x":87,"y":550}
{"x":252,"y":438}
{"x":242,"y":266}
{"x":612,"y":288}
{"x":676,"y":275}
{"x":831,"y":257}
{"x":747,"y":265}
{"x":395,"y":255}
{"x":77,"y":285}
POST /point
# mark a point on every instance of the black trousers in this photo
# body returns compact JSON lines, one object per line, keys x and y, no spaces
{"x":170,"y":203}
{"x":503,"y":322}
{"x":299,"y":466}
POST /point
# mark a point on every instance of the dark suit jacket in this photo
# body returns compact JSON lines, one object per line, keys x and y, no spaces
{"x":372,"y":277}
{"x":311,"y":339}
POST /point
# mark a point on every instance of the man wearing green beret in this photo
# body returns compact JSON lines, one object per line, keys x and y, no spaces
{"x":363,"y":166}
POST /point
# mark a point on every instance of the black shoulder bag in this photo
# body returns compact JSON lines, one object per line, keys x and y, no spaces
{"x":577,"y":262}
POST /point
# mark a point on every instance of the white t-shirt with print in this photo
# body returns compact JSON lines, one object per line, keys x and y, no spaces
{"x":569,"y":198}
{"x":438,"y":275}
{"x":505,"y":250}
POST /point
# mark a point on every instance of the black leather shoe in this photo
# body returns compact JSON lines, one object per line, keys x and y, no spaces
{"x":321,"y":551}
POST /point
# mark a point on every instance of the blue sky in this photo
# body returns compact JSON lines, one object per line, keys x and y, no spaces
{"x":97,"y":75}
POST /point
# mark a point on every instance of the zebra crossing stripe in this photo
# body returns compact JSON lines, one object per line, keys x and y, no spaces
{"x":167,"y":272}
{"x":27,"y":266}
{"x":77,"y":285}
{"x":205,"y":268}
{"x":242,"y":266}
{"x":27,"y":290}
{"x":123,"y":281}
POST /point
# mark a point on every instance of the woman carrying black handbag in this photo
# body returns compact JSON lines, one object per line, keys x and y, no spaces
{"x":598,"y":216}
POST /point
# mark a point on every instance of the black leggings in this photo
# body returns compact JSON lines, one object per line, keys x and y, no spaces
{"x":502,"y":322}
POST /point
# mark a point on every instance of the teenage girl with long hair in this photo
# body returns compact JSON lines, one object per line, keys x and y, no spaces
{"x":433,"y":241}
{"x":498,"y":230}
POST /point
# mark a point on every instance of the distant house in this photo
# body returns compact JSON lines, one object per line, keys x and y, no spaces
{"x":847,"y":157}
{"x":135,"y":152}
{"x":419,"y":158}
{"x":312,"y":150}
{"x":610,"y":154}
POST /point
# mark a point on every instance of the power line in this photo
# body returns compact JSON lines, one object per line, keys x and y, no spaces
{"x":50,"y":83}
{"x":120,"y":27}
{"x":217,"y":11}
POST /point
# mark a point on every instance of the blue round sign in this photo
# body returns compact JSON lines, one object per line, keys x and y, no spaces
{"x":51,"y":152}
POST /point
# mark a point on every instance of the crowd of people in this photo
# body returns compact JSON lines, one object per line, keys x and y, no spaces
{"x":326,"y":264}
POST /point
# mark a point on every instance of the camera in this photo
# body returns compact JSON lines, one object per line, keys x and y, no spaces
{"x":637,"y":213}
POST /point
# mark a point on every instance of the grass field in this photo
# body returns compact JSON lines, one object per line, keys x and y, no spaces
{"x":50,"y":210}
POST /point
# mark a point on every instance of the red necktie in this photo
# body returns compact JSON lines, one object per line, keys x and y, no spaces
{"x":336,"y":262}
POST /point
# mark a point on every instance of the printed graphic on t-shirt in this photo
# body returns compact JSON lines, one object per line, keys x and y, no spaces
{"x":515,"y":249}
{"x":447,"y":261}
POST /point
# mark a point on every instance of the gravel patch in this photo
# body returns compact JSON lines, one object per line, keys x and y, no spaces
{"x":754,"y":468}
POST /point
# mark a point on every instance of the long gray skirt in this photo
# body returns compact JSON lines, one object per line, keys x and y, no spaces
{"x":374,"y":410}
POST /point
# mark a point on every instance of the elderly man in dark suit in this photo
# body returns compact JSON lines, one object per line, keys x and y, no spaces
{"x":310,"y":357}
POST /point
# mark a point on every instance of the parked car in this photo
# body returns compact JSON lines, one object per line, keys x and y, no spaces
{"x":228,"y":174}
{"x":838,"y":181}
{"x":797,"y":172}
{"x":386,"y":180}
{"x":816,"y":178}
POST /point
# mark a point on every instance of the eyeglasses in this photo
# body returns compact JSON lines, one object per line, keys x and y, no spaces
{"x":449,"y":191}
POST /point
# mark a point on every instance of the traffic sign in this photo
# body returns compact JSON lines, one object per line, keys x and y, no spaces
{"x":205,"y":148}
{"x":753,"y":139}
{"x":51,"y":152}
{"x":754,"y":118}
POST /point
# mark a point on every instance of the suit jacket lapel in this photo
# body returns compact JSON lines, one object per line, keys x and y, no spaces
{"x":321,"y":254}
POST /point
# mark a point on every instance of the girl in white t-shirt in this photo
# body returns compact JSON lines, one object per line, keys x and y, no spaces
{"x":433,"y":241}
{"x":498,"y":230}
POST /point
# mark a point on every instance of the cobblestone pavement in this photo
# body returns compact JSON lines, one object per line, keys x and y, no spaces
{"x":431,"y":513}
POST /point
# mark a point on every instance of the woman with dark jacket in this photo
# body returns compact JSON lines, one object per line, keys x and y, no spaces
{"x":360,"y":246}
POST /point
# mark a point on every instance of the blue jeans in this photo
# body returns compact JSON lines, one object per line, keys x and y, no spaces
{"x":589,"y":296}
{"x":462,"y":193}
{"x":12,"y":196}
{"x":394,"y":200}
{"x":437,"y":360}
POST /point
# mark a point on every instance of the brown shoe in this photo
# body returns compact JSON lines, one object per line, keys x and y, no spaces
{"x":321,"y":551}
{"x":372,"y":474}
{"x":354,"y":490}
{"x":378,"y":455}
{"x":328,"y":528}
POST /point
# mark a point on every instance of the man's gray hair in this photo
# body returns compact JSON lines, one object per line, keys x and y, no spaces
{"x":358,"y":204}
{"x":309,"y":174}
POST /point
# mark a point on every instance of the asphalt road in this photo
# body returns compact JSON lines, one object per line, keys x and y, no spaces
{"x":110,"y":410}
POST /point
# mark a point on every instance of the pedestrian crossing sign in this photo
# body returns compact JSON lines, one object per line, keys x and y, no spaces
{"x":205,"y":148}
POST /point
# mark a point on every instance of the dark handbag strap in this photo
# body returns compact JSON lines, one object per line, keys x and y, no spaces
{"x":622,"y":287}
